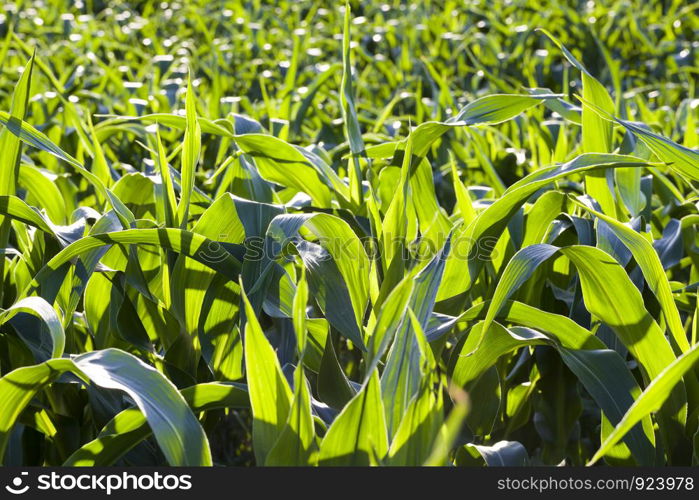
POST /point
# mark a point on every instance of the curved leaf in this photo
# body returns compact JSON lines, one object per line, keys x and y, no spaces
{"x":358,"y":435}
{"x":175,"y":427}
{"x":36,"y":306}
{"x":472,"y":244}
{"x":130,"y":427}
{"x":652,"y":398}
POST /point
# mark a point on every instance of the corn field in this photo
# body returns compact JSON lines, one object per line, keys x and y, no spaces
{"x":306,"y":233}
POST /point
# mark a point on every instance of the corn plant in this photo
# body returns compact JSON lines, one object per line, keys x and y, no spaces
{"x":236,"y":233}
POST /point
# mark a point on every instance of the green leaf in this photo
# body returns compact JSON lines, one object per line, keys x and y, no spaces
{"x":282,"y":163}
{"x":400,"y":380}
{"x":33,"y":137}
{"x":43,"y":192}
{"x":463,"y":198}
{"x":297,"y":443}
{"x":449,"y":430}
{"x":18,"y":210}
{"x":176,"y":430}
{"x":349,"y":115}
{"x":358,"y":434}
{"x":10,"y":144}
{"x":190,"y":155}
{"x":228,"y":220}
{"x":502,"y":454}
{"x":299,"y":314}
{"x":191,"y":244}
{"x":497,"y":108}
{"x":336,"y":267}
{"x":166,"y":192}
{"x":648,"y":261}
{"x":270,"y":395}
{"x":605,"y":376}
{"x":17,"y":389}
{"x":36,"y":306}
{"x":390,"y":319}
{"x":653,"y":397}
{"x":11,"y":148}
{"x":474,"y":242}
{"x":488,"y":110}
{"x":334,"y":389}
{"x":677,"y":157}
{"x":596,"y":131}
{"x":417,"y":430}
{"x":609,"y":294}
{"x":602,"y":372}
{"x":130,"y":427}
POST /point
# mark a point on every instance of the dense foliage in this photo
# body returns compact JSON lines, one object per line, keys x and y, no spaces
{"x":401,"y":233}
